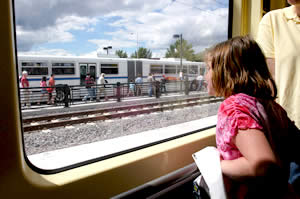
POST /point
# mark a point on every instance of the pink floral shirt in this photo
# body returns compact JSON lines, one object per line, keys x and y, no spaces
{"x":238,"y":111}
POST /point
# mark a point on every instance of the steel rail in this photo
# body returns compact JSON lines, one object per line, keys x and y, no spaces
{"x":131,"y":112}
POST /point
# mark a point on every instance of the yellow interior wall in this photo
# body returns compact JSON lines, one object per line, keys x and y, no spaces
{"x":246,"y":17}
{"x":277,"y":4}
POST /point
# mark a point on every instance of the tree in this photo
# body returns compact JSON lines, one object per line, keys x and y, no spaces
{"x":121,"y":53}
{"x":142,"y":53}
{"x":187,"y":50}
{"x":199,"y":56}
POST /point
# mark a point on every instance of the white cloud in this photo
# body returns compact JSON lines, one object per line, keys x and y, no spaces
{"x":89,"y":54}
{"x":58,"y":52}
{"x":75,"y":23}
{"x":60,"y":32}
{"x":201,"y":22}
{"x":155,"y":29}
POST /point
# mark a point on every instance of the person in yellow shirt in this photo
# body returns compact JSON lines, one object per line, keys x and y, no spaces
{"x":279,"y":37}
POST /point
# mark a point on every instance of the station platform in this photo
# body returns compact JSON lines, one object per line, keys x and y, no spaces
{"x":36,"y":110}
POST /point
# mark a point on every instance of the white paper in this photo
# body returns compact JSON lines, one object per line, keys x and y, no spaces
{"x":208,"y":162}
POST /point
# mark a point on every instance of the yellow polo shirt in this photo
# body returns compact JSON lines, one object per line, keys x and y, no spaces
{"x":279,"y":37}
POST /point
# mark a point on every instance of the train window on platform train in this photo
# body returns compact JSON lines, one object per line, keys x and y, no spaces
{"x":110,"y":69}
{"x":156,"y":69}
{"x":193,"y":69}
{"x":170,"y":69}
{"x":185,"y":69}
{"x":63,"y":71}
{"x":35,"y":70}
{"x":79,"y":120}
{"x":63,"y":64}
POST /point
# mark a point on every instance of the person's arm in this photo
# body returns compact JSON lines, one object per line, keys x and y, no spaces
{"x":257,"y":156}
{"x":271,"y":66}
{"x":265,"y":39}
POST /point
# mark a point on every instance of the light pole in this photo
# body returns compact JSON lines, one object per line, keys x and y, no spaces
{"x":179,"y":36}
{"x":106,"y":48}
{"x":137,"y":44}
{"x":181,"y":67}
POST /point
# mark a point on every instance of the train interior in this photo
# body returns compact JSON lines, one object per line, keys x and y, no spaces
{"x":165,"y":169}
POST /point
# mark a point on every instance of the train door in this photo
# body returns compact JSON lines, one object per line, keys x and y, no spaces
{"x":131,"y":70}
{"x":92,"y":70}
{"x":139,"y":68}
{"x":87,"y":68}
{"x":83,"y":71}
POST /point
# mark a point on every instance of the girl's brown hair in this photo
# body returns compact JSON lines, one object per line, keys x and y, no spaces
{"x":239,"y":66}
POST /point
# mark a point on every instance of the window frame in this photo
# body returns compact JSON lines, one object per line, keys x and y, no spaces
{"x":54,"y":171}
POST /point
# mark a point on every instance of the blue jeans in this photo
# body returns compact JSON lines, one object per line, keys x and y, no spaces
{"x":294,"y":178}
{"x":150,"y":91}
{"x":91,"y":94}
{"x":294,"y":172}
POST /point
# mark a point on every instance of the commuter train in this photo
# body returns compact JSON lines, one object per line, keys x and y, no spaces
{"x":159,"y":169}
{"x":73,"y":70}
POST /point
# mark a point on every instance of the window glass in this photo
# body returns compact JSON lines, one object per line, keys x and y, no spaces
{"x":109,"y":68}
{"x":170,"y":69}
{"x":34,"y":64}
{"x":193,"y":69}
{"x":183,"y":69}
{"x":62,"y":64}
{"x":27,"y":63}
{"x":127,"y":41}
{"x":156,"y":69}
{"x":35,"y":70}
{"x":63,"y":71}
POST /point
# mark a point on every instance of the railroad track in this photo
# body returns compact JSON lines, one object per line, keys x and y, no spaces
{"x":66,"y":119}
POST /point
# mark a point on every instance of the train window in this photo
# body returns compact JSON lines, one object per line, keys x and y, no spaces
{"x":202,"y":71}
{"x":27,"y":63}
{"x":34,"y":64}
{"x":60,"y":68}
{"x":63,"y":64}
{"x":63,"y":71}
{"x":35,"y":70}
{"x":110,"y":69}
{"x":156,"y":69}
{"x":125,"y":40}
{"x":184,"y":69}
{"x":170,"y":69}
{"x":193,"y":69}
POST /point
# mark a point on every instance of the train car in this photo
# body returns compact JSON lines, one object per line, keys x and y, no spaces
{"x":159,"y":168}
{"x":73,"y":70}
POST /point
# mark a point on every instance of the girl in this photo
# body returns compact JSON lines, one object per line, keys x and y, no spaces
{"x":43,"y":85}
{"x":255,"y":138}
{"x":131,"y":88}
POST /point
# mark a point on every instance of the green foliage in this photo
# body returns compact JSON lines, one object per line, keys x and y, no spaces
{"x":121,"y":53}
{"x":187,"y":50}
{"x":142,"y":53}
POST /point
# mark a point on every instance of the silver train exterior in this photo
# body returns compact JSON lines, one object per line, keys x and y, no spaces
{"x":72,"y":70}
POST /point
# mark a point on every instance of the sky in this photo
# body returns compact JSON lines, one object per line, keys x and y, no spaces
{"x":85,"y":27}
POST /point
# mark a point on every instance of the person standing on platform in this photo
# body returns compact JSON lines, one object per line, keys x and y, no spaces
{"x":101,"y":87}
{"x":43,"y":85}
{"x":150,"y":85}
{"x":163,"y":82}
{"x":139,"y":82}
{"x":131,"y":88}
{"x":25,"y":91}
{"x":50,"y":89}
{"x":89,"y":83}
{"x":200,"y":81}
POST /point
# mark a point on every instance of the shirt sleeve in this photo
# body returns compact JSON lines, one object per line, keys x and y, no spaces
{"x":265,"y":36}
{"x":235,"y":114}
